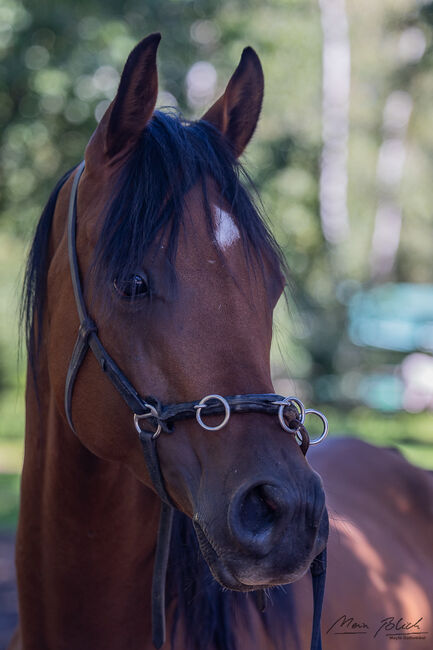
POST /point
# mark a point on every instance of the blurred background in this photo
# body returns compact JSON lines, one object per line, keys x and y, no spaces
{"x":343,"y":158}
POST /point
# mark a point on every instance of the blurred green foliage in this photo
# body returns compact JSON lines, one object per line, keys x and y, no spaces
{"x":59,"y":68}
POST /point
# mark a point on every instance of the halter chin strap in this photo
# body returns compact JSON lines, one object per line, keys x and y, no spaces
{"x":162,"y":418}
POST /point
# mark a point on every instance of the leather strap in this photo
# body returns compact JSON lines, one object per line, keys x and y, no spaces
{"x":148,"y":445}
{"x":159,"y":575}
{"x":78,"y":354}
{"x":72,"y":248}
{"x":250,"y":403}
{"x":318,"y":573}
{"x":136,"y":403}
{"x":87,"y":334}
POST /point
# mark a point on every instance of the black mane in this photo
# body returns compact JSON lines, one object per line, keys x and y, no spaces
{"x":35,"y":279}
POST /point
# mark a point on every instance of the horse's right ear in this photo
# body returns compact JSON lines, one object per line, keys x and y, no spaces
{"x":133,"y":106}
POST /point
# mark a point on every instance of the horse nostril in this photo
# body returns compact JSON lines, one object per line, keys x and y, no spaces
{"x":259,"y":508}
{"x":254,"y":513}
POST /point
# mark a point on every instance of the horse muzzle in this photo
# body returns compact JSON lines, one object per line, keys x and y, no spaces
{"x":272,"y":534}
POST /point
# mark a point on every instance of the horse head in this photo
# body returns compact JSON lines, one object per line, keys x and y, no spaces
{"x":180,"y":277}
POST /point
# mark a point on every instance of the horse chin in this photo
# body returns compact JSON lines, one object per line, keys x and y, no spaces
{"x":227,"y":578}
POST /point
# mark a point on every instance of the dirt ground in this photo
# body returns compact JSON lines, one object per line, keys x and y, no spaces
{"x":8,"y":592}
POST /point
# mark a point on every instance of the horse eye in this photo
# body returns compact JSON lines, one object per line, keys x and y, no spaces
{"x":133,"y":287}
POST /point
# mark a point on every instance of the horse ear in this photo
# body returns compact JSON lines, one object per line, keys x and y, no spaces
{"x":237,"y":111}
{"x":133,"y":106}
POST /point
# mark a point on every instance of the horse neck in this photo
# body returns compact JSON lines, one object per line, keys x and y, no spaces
{"x":86,"y":536}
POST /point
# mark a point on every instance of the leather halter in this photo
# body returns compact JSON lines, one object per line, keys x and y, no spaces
{"x":162,"y":418}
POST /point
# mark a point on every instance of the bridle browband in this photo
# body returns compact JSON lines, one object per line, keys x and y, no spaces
{"x":289,"y":410}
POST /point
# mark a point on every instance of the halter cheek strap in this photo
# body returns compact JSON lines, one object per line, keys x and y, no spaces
{"x":88,"y":332}
{"x":162,"y":418}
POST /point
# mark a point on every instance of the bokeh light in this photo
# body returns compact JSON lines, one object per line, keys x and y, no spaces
{"x":201,"y":83}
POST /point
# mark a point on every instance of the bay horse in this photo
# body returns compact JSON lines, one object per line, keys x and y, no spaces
{"x":153,"y":274}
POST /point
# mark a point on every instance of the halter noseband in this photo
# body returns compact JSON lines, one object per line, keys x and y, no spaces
{"x":289,"y":410}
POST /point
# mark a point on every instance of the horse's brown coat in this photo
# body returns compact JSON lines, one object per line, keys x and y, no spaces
{"x":88,"y":519}
{"x":380,"y":561}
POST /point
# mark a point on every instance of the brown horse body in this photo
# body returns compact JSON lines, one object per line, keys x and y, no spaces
{"x":380,"y":570}
{"x":89,"y":516}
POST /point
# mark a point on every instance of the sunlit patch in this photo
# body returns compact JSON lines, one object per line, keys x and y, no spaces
{"x":364,"y":551}
{"x":413,"y":600}
{"x":226,"y":231}
{"x":400,"y":590}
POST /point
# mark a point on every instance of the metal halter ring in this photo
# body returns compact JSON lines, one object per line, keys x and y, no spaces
{"x":325,"y":426}
{"x":153,"y":413}
{"x":202,"y":404}
{"x":285,"y":402}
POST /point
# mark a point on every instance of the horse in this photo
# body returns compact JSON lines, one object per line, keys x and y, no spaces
{"x":151,"y":281}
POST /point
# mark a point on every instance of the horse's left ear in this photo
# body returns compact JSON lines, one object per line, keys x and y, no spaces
{"x":133,"y":106}
{"x":237,"y":111}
